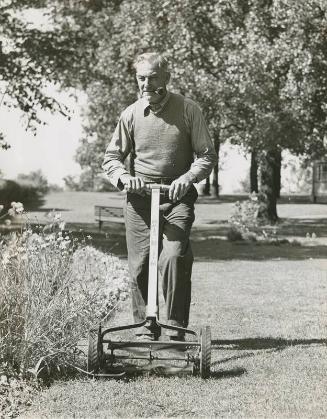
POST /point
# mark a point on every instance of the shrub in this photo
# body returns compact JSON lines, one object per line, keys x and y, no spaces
{"x":11,"y":191}
{"x":35,"y":179}
{"x":53,"y":289}
{"x":244,"y":219}
{"x":245,"y":224}
{"x":88,"y":181}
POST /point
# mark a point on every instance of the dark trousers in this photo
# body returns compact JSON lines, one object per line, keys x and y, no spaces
{"x":175,"y":260}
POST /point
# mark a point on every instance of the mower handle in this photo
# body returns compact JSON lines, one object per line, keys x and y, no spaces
{"x":160,"y":186}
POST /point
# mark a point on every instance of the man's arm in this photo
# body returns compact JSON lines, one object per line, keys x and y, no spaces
{"x":118,"y":149}
{"x":203,"y":149}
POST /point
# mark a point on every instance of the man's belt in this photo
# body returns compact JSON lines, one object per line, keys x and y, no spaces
{"x":151,"y":179}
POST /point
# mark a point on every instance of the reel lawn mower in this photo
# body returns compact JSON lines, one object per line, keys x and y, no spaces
{"x":109,"y":356}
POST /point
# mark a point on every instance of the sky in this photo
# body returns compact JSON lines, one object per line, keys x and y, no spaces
{"x":52,"y":150}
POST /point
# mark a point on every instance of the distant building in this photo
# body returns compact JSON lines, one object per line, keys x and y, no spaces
{"x":319,"y":181}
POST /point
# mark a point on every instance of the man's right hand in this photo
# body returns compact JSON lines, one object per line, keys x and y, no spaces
{"x":132,"y":184}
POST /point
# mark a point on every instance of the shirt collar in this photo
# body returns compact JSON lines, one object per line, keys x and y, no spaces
{"x":157,"y":107}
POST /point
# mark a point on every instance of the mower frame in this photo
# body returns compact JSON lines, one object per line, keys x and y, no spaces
{"x":194,"y":355}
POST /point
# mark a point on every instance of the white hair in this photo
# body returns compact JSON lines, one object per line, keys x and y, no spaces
{"x":152,"y":58}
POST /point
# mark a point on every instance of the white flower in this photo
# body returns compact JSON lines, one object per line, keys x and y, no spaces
{"x":19,"y":210}
{"x":62,"y":225}
{"x":16,"y":208}
{"x":57,"y":216}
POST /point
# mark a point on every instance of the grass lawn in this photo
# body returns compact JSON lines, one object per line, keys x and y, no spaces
{"x":78,"y":207}
{"x":269,"y":324}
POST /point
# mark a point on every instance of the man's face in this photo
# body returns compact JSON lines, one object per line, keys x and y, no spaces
{"x":150,"y":78}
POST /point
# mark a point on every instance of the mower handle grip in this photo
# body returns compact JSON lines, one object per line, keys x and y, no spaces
{"x":160,"y":186}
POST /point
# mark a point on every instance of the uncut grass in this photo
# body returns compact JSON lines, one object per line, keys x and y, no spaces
{"x":269,"y":342}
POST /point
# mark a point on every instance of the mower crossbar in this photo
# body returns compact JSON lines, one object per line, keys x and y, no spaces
{"x":177,"y":328}
{"x":124,"y":327}
{"x":158,"y":345}
{"x":150,"y":357}
{"x":137,"y":325}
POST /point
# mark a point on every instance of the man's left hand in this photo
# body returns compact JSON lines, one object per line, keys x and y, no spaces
{"x":180,"y":186}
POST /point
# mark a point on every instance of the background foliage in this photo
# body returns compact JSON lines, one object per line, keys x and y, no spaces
{"x":258,"y":68}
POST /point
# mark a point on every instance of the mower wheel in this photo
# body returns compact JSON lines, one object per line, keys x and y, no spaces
{"x":95,"y":351}
{"x":205,"y":351}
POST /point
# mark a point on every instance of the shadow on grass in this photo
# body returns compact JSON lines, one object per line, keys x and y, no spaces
{"x":302,"y":227}
{"x":232,"y":373}
{"x":222,"y":199}
{"x":268,"y":345}
{"x":46,"y":210}
{"x":263,"y":343}
{"x":284,"y":199}
{"x":112,"y":240}
{"x":218,"y":249}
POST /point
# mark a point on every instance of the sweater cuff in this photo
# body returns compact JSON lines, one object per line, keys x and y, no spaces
{"x":192,"y":176}
{"x":115,"y":178}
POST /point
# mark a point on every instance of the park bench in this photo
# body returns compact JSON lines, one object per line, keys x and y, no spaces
{"x":108,"y":214}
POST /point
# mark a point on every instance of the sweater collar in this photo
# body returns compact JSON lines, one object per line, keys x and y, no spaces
{"x":157,"y":107}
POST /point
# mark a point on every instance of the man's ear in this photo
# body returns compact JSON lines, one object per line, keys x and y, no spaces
{"x":167,"y":77}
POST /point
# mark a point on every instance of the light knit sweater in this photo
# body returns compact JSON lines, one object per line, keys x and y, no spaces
{"x":162,"y":143}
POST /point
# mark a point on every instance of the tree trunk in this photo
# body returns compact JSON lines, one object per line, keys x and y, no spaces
{"x":215,"y":182}
{"x":268,"y":163}
{"x":254,"y":172}
{"x":277,"y":173}
{"x":206,"y":190}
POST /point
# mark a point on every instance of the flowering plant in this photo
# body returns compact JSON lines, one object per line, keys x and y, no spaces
{"x":16,"y":208}
{"x":53,"y":289}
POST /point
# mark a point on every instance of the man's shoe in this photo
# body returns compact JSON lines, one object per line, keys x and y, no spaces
{"x":175,"y":339}
{"x":144,"y":333}
{"x":178,"y":338}
{"x":149,"y":338}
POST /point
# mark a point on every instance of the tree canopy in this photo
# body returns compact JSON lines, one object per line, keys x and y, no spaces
{"x":27,"y":57}
{"x":257,"y":68}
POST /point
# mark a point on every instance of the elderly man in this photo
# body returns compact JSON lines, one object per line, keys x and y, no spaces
{"x":162,"y":132}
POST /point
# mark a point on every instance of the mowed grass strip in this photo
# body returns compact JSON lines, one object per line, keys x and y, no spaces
{"x":269,"y":324}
